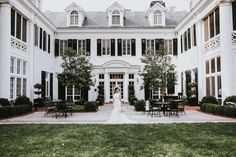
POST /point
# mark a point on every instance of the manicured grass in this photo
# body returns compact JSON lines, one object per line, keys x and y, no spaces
{"x":173,"y":140}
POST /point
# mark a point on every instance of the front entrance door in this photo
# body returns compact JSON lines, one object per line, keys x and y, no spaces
{"x":116,"y":80}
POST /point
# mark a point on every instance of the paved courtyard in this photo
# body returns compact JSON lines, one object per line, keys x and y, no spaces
{"x":102,"y":116}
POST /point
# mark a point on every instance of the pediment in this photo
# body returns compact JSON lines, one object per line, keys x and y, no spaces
{"x":73,"y":6}
{"x":116,"y":64}
{"x":155,"y":7}
{"x":116,"y":6}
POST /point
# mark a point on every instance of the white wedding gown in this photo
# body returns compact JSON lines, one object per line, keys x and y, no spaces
{"x":118,"y":117}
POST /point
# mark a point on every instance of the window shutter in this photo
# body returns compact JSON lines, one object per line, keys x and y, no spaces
{"x":99,"y":47}
{"x":43,"y":82}
{"x":88,"y":46}
{"x":194,"y":35}
{"x":75,"y":44}
{"x":57,"y":41}
{"x":157,"y":45}
{"x":119,"y":47}
{"x":44,"y":40}
{"x":181,"y":43}
{"x":175,"y":47}
{"x":61,"y":91}
{"x":49,"y":43}
{"x":51,"y":86}
{"x":113,"y":47}
{"x":41,"y":38}
{"x":162,"y":45}
{"x":143,"y":47}
{"x":133,"y":47}
{"x":70,"y":43}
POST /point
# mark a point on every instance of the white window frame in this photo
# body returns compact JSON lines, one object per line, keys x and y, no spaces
{"x":74,"y":18}
{"x":106,"y":47}
{"x":150,"y":44}
{"x":157,"y":18}
{"x":116,"y":18}
{"x":126,"y":47}
{"x":73,"y":94}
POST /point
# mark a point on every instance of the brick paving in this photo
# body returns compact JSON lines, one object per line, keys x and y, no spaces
{"x":102,"y":116}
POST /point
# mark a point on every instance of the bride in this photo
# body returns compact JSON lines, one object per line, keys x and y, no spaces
{"x":118,"y":116}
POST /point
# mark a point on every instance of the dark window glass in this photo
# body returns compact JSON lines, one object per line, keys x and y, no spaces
{"x":234,"y":15}
{"x":36,"y":36}
{"x":24,"y":33}
{"x":18,"y":28}
{"x":13,"y":23}
{"x":212,"y":27}
{"x":218,"y":64}
{"x":185,"y":41}
{"x":217,"y":21}
{"x":208,"y":86}
{"x":207,"y":67}
{"x":213,"y":66}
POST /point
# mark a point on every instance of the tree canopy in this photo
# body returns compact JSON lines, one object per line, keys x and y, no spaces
{"x":158,"y":71}
{"x":76,"y":70}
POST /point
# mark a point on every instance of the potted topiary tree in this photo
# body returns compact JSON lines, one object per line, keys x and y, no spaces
{"x":38,"y":101}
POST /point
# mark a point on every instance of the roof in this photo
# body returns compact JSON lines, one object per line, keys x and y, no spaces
{"x":134,"y":19}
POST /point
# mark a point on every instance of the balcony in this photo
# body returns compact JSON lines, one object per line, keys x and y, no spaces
{"x":19,"y":44}
{"x":212,"y":43}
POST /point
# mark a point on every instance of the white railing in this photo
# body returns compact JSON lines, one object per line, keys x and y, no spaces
{"x":234,"y":36}
{"x":213,"y":42}
{"x":18,"y":44}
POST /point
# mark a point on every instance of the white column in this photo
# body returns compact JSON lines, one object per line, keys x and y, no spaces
{"x":5,"y":49}
{"x":30,"y":63}
{"x":193,"y":76}
{"x":106,"y":87}
{"x":184,"y":84}
{"x":126,"y":83}
{"x":226,"y":49}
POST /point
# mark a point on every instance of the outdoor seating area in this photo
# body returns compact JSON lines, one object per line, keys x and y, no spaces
{"x":168,"y":108}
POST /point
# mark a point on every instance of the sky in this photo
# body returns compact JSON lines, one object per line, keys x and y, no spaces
{"x":102,"y":5}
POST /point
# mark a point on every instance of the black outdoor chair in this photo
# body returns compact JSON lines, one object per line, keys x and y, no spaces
{"x":61,"y":109}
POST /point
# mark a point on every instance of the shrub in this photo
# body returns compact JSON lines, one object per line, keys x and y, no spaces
{"x":22,"y":100}
{"x":80,"y":102}
{"x":4,"y":102}
{"x":132,"y":100}
{"x":230,"y":101}
{"x":218,"y":109}
{"x":139,"y":105}
{"x":193,"y":101}
{"x":209,"y":100}
{"x":9,"y":111}
{"x":38,"y":102}
{"x":90,"y":106}
{"x":100,"y":100}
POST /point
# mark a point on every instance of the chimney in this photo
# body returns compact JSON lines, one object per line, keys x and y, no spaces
{"x":159,"y":1}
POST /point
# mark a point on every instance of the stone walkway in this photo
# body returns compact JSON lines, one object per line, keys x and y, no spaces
{"x":102,"y":116}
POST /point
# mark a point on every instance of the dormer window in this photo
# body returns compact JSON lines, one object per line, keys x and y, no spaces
{"x":116,"y":17}
{"x":74,"y":18}
{"x":157,"y":17}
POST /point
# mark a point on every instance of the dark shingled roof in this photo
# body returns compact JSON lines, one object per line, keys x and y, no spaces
{"x":134,"y":19}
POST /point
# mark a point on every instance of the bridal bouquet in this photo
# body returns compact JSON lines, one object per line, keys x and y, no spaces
{"x":122,"y":109}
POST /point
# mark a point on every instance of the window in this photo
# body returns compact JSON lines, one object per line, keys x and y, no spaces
{"x":101,"y":76}
{"x":207,"y":67}
{"x":74,"y":18}
{"x":208,"y":86}
{"x":213,"y":66}
{"x":41,"y":39}
{"x":18,"y":27}
{"x":49,"y":43}
{"x":157,"y":17}
{"x":36,"y":35}
{"x":24,"y":30}
{"x":82,"y":46}
{"x":116,"y":17}
{"x":24,"y":87}
{"x":168,"y":47}
{"x":69,"y":93}
{"x":18,"y":66}
{"x":189,"y":38}
{"x":63,"y":46}
{"x":185,"y":41}
{"x":77,"y":94}
{"x":150,"y":44}
{"x":73,"y":93}
{"x":219,"y":90}
{"x":24,"y":68}
{"x":13,"y":22}
{"x":12,"y":65}
{"x":44,"y":40}
{"x":194,"y":36}
{"x":126,"y":45}
{"x":18,"y":87}
{"x":106,"y":47}
{"x":218,"y":64}
{"x":131,"y":76}
{"x":234,"y":15}
{"x":212,"y":25}
{"x":12,"y":87}
{"x":116,"y":76}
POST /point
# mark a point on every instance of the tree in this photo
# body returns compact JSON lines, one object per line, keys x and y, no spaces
{"x":158,"y":72}
{"x":38,"y":88}
{"x":76,"y":70}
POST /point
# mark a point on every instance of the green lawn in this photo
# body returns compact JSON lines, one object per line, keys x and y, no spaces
{"x":170,"y":140}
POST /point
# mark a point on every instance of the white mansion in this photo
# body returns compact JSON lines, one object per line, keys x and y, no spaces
{"x":201,"y":42}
